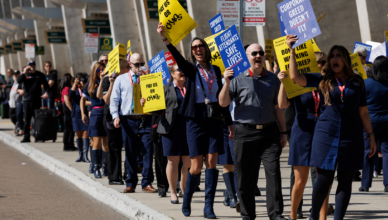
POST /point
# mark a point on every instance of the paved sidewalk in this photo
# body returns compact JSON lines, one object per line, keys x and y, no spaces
{"x":371,"y":205}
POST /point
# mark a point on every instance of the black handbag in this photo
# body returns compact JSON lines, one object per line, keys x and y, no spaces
{"x":213,"y":109}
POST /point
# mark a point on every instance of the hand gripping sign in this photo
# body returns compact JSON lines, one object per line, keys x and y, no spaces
{"x":305,"y":60}
{"x":299,"y":19}
{"x":153,"y":92}
{"x":216,"y":57}
{"x":177,"y":22}
{"x":158,"y":64}
{"x":232,"y":51}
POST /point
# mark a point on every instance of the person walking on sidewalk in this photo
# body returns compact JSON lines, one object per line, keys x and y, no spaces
{"x":32,"y":80}
{"x":52,"y":80}
{"x":260,"y":131}
{"x":80,"y":129}
{"x":68,"y":134}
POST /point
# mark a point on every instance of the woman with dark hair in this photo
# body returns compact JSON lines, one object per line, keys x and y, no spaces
{"x":338,"y":136}
{"x":95,"y":122}
{"x":204,"y":133}
{"x":376,"y":95}
{"x":68,"y":134}
{"x":80,"y":129}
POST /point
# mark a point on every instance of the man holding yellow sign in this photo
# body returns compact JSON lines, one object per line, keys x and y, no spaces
{"x":135,"y":127}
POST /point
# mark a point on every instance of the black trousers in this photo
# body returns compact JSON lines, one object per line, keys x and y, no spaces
{"x":12,"y":115}
{"x":249,"y":145}
{"x":115,"y":145}
{"x":29,"y":112}
{"x":160,"y":167}
{"x":68,"y":134}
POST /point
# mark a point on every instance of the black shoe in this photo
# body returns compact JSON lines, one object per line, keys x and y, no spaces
{"x":363,"y":189}
{"x":386,"y":188}
{"x":330,"y":210}
{"x":161,"y":194}
{"x":104,"y":170}
{"x":116,"y":182}
{"x":280,"y":218}
{"x":257,"y":191}
{"x":238,"y":209}
{"x":73,"y":148}
{"x":25,"y":140}
{"x":299,"y":214}
{"x":197,"y":189}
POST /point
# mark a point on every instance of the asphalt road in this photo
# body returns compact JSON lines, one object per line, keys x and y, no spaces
{"x":29,"y":191}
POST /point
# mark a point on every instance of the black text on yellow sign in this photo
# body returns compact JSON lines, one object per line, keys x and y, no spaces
{"x":177,"y":22}
{"x":153,"y":92}
{"x":305,"y":60}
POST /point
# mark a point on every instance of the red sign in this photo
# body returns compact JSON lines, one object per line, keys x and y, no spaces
{"x":169,"y":59}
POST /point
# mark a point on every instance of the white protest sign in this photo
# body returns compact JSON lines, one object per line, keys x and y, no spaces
{"x":230,"y":11}
{"x":377,"y":51}
{"x":91,"y":43}
{"x":254,"y":13}
{"x":30,"y":51}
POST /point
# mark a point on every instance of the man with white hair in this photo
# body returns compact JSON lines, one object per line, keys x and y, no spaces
{"x":135,"y":127}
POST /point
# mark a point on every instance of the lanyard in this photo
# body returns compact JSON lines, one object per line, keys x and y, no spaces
{"x":317,"y":100}
{"x":250,"y":73}
{"x":130,"y":79}
{"x":182,"y":90}
{"x":209,"y":83}
{"x":341,"y":88}
{"x":79,"y":90}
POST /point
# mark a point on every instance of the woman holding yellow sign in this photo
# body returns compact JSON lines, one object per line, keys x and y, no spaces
{"x":338,"y":136}
{"x":204,"y":119}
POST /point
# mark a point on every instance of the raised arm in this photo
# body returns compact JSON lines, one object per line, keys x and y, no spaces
{"x":282,"y":96}
{"x":224,"y":96}
{"x":107,"y":95}
{"x":295,"y":76}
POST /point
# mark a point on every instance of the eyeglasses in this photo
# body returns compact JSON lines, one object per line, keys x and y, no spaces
{"x":197,"y":46}
{"x":254,"y":53}
{"x":322,"y":62}
{"x":178,"y":70}
{"x":138,"y":64}
{"x":48,"y":65}
{"x":104,"y":61}
{"x":100,"y":70}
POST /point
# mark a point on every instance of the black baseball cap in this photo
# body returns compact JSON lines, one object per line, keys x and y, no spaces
{"x":31,"y":63}
{"x":16,"y":72}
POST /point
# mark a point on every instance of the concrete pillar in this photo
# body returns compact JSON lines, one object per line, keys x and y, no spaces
{"x":4,"y":59}
{"x":40,"y":28}
{"x":124,"y":24}
{"x":13,"y":60}
{"x":79,"y":60}
{"x":21,"y":55}
{"x":260,"y":36}
{"x":363,"y":20}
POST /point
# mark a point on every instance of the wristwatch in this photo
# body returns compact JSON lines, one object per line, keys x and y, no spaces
{"x":369,"y":135}
{"x":283,"y":132}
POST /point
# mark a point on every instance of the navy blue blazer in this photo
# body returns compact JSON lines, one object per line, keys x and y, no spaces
{"x":190,"y":70}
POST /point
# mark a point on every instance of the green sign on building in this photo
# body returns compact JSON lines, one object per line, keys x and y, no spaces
{"x":2,"y":51}
{"x":96,"y":23}
{"x":17,"y":46}
{"x":8,"y":48}
{"x":106,"y":44}
{"x":56,"y":34}
{"x":57,"y":40}
{"x":39,"y":50}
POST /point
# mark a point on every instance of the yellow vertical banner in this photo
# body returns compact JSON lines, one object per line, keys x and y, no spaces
{"x":114,"y":59}
{"x":129,"y":49}
{"x":137,"y":108}
{"x":153,"y":92}
{"x":357,"y":65}
{"x":269,"y":48}
{"x":305,"y":60}
{"x":315,"y":46}
{"x":177,"y":22}
{"x":215,"y":54}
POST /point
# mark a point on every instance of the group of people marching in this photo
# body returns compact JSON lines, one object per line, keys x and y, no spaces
{"x":238,"y":121}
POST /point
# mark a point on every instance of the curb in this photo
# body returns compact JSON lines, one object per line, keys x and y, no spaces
{"x":126,"y":205}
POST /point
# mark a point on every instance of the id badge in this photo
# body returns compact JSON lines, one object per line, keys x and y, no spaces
{"x":207,"y":101}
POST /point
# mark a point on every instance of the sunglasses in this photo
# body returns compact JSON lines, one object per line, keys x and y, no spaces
{"x":254,"y":53}
{"x":197,"y":46}
{"x":100,"y":70}
{"x":178,"y":70}
{"x":138,"y":64}
{"x":104,"y":61}
{"x":48,"y":65}
{"x":322,"y":62}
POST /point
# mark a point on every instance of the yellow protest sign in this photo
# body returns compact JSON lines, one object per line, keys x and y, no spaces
{"x":357,"y":65}
{"x":305,"y":60}
{"x":114,"y":58}
{"x":153,"y":92}
{"x":177,"y":22}
{"x":269,"y":48}
{"x":315,"y":46}
{"x":216,"y":56}
{"x":129,"y":48}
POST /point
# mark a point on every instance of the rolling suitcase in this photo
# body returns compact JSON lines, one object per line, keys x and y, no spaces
{"x":46,"y":125}
{"x":4,"y":110}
